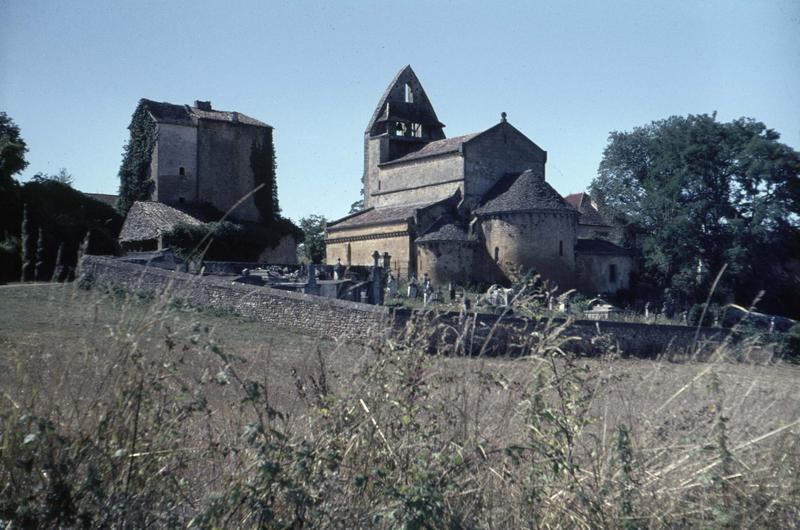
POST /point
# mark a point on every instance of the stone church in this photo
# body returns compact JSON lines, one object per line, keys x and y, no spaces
{"x":470,"y":209}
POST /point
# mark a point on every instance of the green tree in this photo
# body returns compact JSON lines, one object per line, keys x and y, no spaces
{"x":12,"y":161}
{"x":63,"y":177}
{"x":313,"y":247}
{"x":12,"y":149}
{"x":356,"y":206}
{"x":703,"y":193}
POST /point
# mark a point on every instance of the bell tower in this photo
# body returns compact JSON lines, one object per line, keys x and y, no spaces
{"x":403,"y":122}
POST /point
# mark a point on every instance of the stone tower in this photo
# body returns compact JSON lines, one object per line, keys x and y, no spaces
{"x":403,"y":122}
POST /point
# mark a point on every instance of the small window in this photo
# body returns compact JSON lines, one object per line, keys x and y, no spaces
{"x":181,"y":200}
{"x":612,"y":273}
{"x":181,"y":171}
{"x":496,"y":254}
{"x":416,"y":130}
{"x":409,"y":94}
{"x":379,"y":185}
{"x":400,"y":128}
{"x":560,"y":248}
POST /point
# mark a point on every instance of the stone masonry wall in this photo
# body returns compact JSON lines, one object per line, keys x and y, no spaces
{"x":324,"y":316}
{"x":365,"y":240}
{"x":419,"y":181}
{"x":446,"y":261}
{"x":594,"y":275}
{"x":532,"y":240}
{"x":500,"y":150}
{"x":176,"y":148}
{"x":284,"y":253}
{"x":224,"y":170}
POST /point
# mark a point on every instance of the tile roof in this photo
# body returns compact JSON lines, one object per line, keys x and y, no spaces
{"x":375,"y":216}
{"x":589,"y":214}
{"x":164,"y":112}
{"x":599,"y":246}
{"x":148,"y":220}
{"x":519,"y":192}
{"x":437,"y":147}
{"x":107,"y":198}
{"x":446,"y":228}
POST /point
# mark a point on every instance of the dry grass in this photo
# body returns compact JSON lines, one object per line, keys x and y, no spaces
{"x":118,"y":411}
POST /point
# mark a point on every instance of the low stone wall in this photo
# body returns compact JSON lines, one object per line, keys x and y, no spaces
{"x":631,"y":339}
{"x":355,"y":321}
{"x":324,"y":316}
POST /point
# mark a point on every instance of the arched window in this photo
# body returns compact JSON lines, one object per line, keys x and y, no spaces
{"x":560,"y":248}
{"x":612,"y":273}
{"x":181,"y":171}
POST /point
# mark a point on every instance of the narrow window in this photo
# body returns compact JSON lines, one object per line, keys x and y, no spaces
{"x":181,"y":171}
{"x":560,"y":248}
{"x":416,"y":130}
{"x":409,"y":94}
{"x":496,"y":254}
{"x":612,"y":273}
{"x":379,"y":185}
{"x":349,"y":255}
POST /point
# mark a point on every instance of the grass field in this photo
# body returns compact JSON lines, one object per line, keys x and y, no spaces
{"x":119,"y":408}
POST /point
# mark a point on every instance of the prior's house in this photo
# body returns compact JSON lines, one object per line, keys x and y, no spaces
{"x":200,"y":165}
{"x":202,"y":155}
{"x":474,"y":208}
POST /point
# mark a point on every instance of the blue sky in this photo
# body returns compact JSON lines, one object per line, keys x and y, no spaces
{"x":567,"y":73}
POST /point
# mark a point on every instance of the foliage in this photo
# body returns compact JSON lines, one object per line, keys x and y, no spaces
{"x":227,"y":241}
{"x":135,"y":182}
{"x":262,"y":162}
{"x":313,"y":248}
{"x":12,"y":161}
{"x":65,"y":216}
{"x":702,"y":194}
{"x":356,"y":206}
{"x":63,"y":177}
{"x":12,"y":149}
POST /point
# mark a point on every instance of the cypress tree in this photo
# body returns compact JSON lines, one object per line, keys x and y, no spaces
{"x":58,"y":270}
{"x":27,"y":264}
{"x":38,"y":270}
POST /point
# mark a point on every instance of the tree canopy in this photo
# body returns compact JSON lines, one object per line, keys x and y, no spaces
{"x":313,"y":247}
{"x":12,"y":149}
{"x":701,"y":194}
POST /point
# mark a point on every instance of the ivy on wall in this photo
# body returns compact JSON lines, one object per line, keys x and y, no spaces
{"x":135,"y":183}
{"x":262,"y":162}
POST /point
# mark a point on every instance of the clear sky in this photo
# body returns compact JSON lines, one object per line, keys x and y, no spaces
{"x":567,"y":73}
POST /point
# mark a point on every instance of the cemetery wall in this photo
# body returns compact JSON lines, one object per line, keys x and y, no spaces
{"x":355,"y":321}
{"x":324,"y":316}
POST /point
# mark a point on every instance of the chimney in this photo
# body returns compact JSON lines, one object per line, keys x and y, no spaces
{"x":202,"y":105}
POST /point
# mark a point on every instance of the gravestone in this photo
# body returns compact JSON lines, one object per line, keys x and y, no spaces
{"x":413,"y":288}
{"x":391,"y":285}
